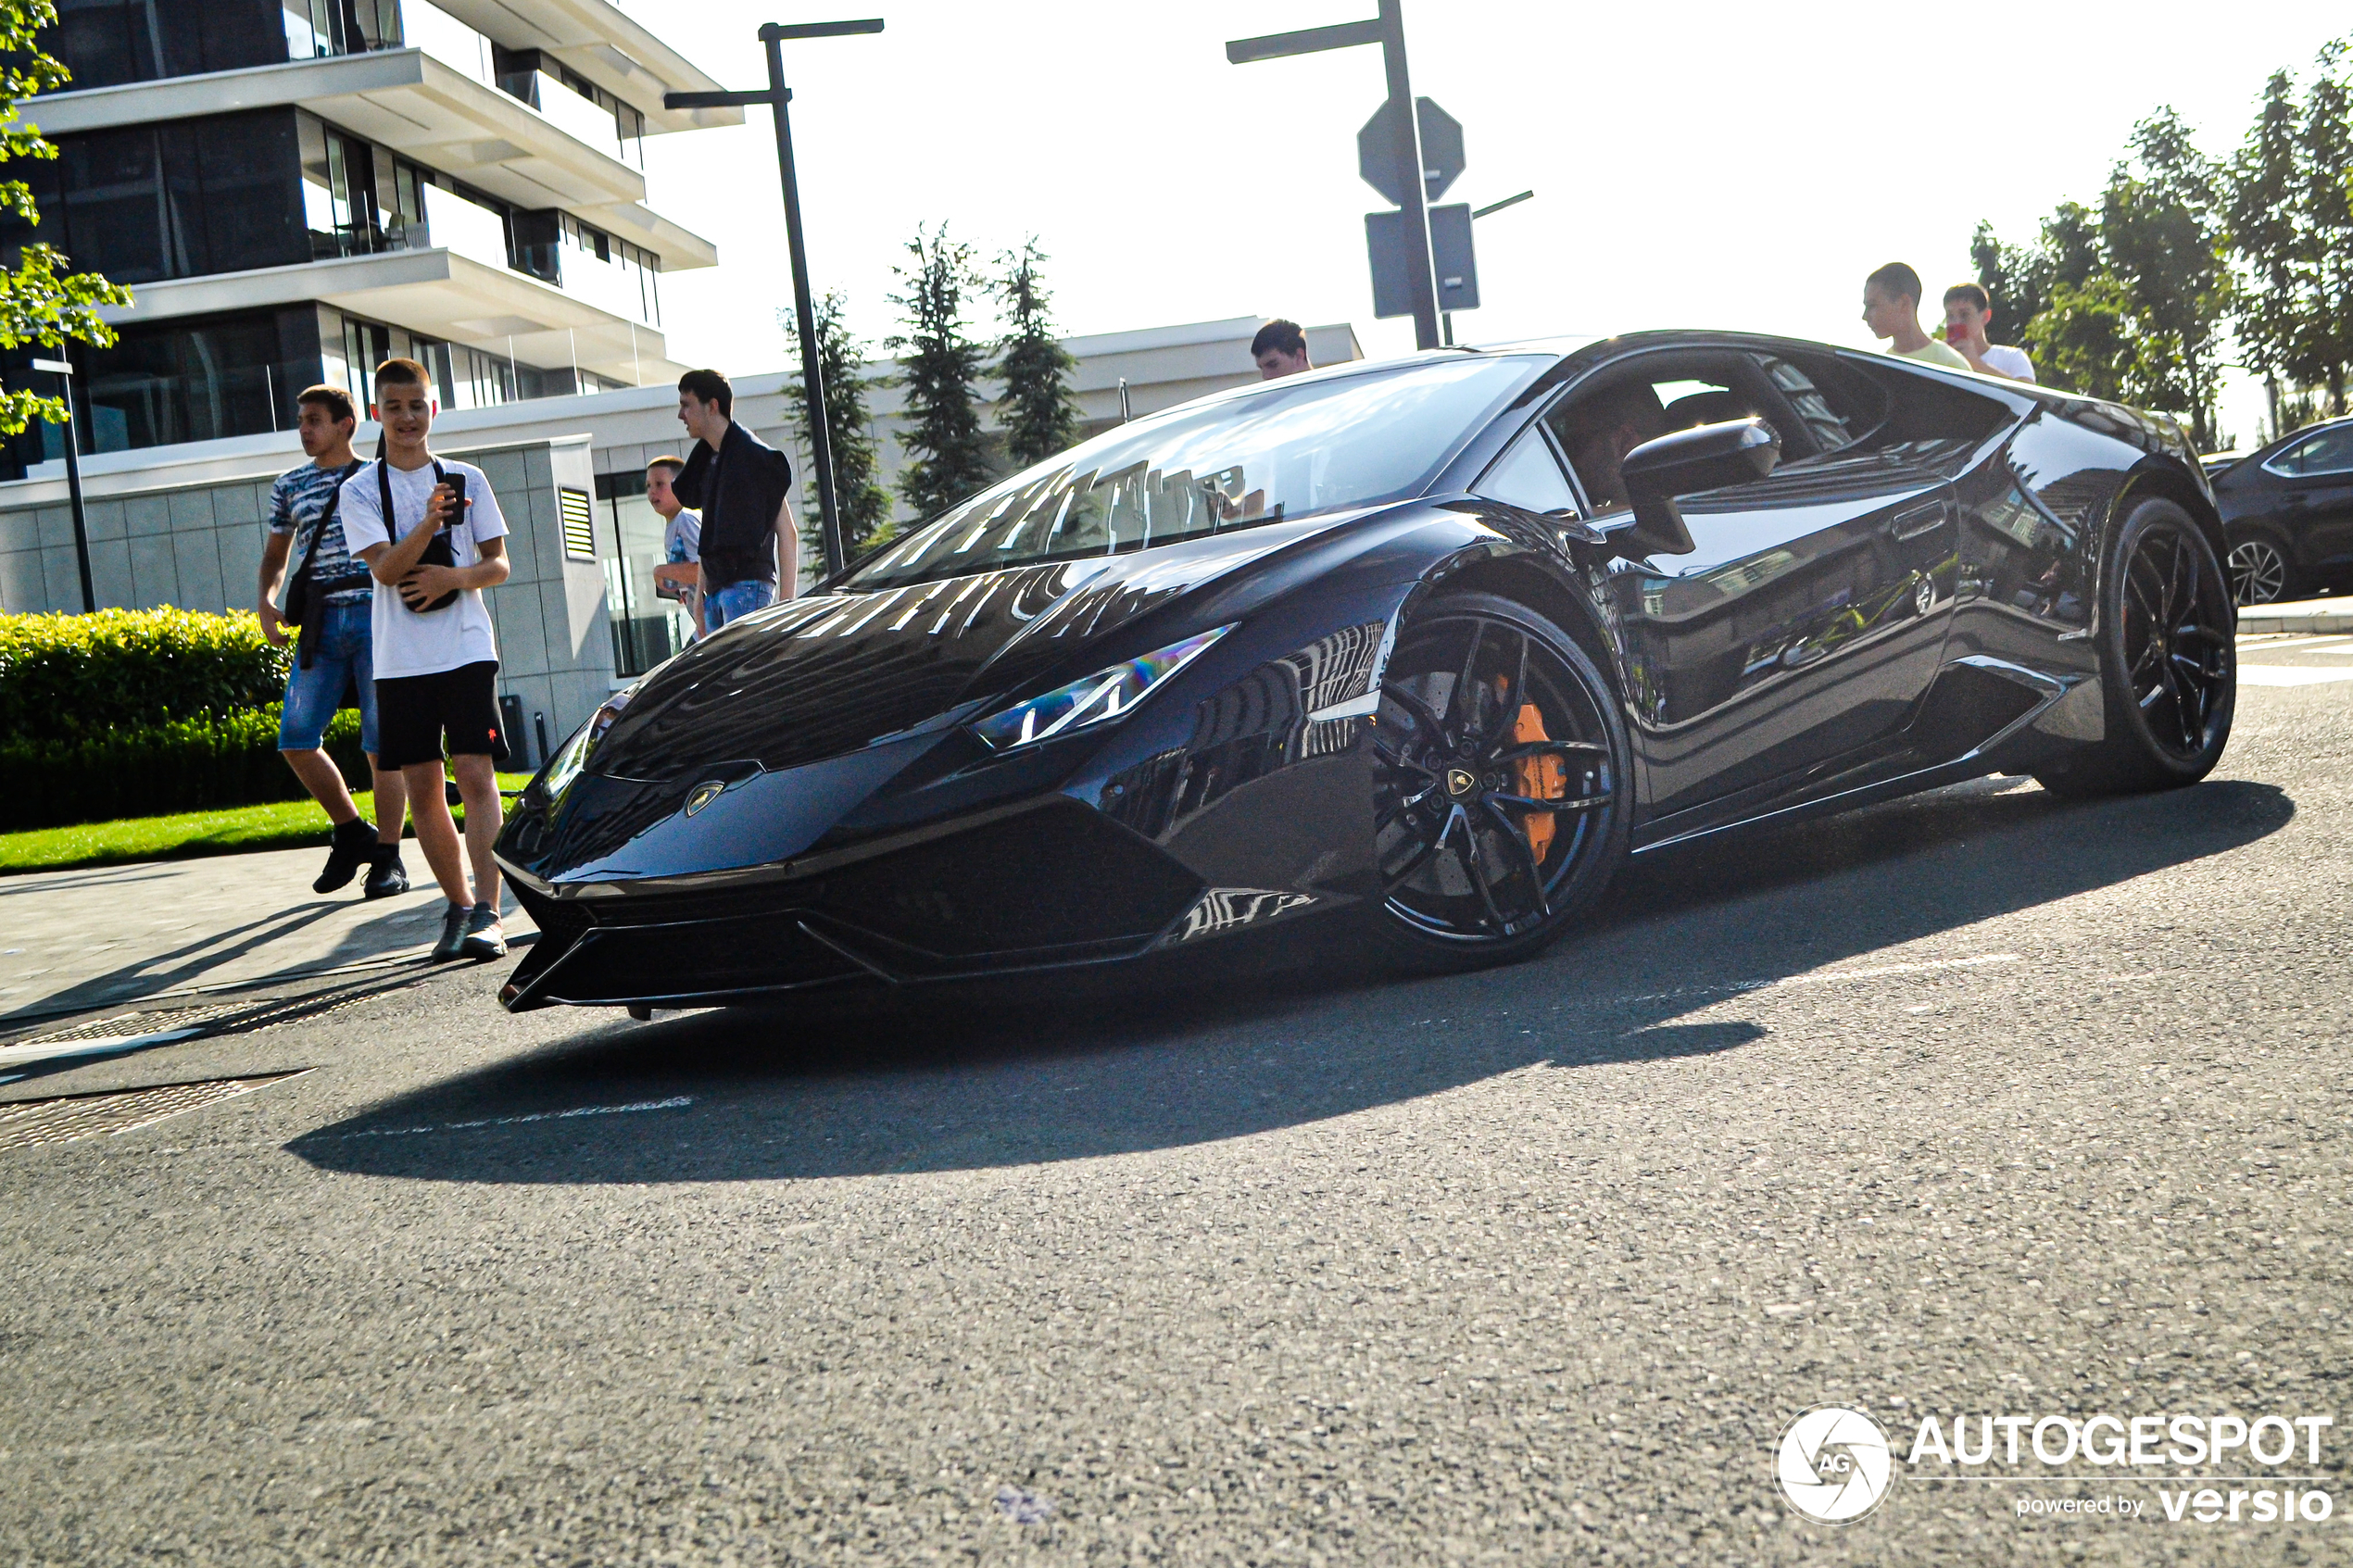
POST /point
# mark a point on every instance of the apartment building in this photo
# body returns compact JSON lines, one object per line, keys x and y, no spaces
{"x":297,"y":189}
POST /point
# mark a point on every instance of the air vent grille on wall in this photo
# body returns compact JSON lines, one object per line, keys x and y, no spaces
{"x":580,"y":533}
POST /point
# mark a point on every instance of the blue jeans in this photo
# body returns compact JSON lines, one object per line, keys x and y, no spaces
{"x":345,"y":656}
{"x":734,"y":601}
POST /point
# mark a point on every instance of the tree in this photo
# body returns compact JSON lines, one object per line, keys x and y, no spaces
{"x":38,"y":304}
{"x":2161,"y":227}
{"x":2016,"y":278}
{"x":2266,"y":191}
{"x":2061,"y":302}
{"x":2327,"y":148}
{"x":938,"y":365}
{"x":865,"y":506}
{"x":1041,"y":416}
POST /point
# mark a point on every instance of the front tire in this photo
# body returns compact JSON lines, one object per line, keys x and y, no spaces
{"x":1490,"y":714}
{"x":2169,"y":664}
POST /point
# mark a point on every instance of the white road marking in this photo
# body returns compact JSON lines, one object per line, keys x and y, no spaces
{"x":673,"y":1103}
{"x":2291,"y":675}
{"x":18,"y":1056}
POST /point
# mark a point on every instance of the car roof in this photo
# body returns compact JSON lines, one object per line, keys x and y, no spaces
{"x":2281,"y":443}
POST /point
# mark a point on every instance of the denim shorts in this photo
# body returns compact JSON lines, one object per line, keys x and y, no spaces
{"x":734,"y":601}
{"x":344,"y":659}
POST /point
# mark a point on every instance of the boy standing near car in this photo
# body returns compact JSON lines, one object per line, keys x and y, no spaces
{"x":1279,"y":350}
{"x":1969,"y":311}
{"x":330,"y":596}
{"x":743,"y":488}
{"x":681,"y":567}
{"x":1891,"y":309}
{"x":430,"y":533}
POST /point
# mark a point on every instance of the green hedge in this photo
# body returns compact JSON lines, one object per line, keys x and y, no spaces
{"x":148,"y":769}
{"x":67,"y":677}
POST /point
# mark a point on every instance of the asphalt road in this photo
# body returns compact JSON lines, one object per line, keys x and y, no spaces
{"x":1984,"y":1102}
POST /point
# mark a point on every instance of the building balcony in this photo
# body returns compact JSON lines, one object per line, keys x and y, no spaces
{"x":426,"y":109}
{"x":460,"y":290}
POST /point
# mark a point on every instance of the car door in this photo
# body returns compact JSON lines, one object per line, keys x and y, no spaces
{"x":1802,"y":629}
{"x":2314,"y":483}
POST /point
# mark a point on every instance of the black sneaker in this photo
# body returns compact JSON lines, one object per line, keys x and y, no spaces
{"x":346,"y":852}
{"x":453,"y":934}
{"x":486,"y":938}
{"x":386,"y":875}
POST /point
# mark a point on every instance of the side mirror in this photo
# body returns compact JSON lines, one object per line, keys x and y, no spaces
{"x":1687,"y":463}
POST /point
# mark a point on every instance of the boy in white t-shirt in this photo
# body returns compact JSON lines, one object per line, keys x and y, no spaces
{"x":1969,"y":311}
{"x":436,"y":661}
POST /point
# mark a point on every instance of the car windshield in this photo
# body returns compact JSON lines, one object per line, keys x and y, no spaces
{"x":1284,"y":450}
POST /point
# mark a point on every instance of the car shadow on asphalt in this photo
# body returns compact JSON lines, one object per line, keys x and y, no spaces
{"x":1275,"y":1035}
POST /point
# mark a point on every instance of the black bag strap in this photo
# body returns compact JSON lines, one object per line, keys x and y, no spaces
{"x":307,"y":539}
{"x":384,"y":492}
{"x":304,"y":614}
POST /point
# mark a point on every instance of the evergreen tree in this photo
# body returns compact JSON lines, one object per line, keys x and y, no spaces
{"x":1041,"y":416}
{"x":938,"y":365}
{"x":865,"y":506}
{"x":38,"y":304}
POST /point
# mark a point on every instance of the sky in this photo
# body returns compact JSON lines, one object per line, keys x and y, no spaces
{"x":1694,"y":165}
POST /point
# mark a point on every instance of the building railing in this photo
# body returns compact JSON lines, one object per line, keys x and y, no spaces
{"x":457,"y":225}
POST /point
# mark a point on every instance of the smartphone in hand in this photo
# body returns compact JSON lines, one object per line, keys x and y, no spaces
{"x":439,"y":550}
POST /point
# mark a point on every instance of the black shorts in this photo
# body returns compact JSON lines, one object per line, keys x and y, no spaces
{"x":413,"y":711}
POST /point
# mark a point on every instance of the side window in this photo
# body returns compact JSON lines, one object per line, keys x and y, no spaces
{"x":2328,"y":452}
{"x":1836,"y":411}
{"x":1598,"y":424}
{"x":1527,"y":476}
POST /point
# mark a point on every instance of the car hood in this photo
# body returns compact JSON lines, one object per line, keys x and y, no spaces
{"x":839,"y":672}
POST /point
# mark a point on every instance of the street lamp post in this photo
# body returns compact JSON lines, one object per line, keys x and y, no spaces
{"x":1387,"y":30}
{"x":63,"y":371}
{"x":813,"y":380}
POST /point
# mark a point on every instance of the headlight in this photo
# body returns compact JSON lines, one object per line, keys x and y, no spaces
{"x":573,"y":755}
{"x":1107,"y":694}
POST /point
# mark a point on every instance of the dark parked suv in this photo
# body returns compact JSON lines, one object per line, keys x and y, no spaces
{"x":2287,"y":513}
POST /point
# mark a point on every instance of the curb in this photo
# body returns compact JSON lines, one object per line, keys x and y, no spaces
{"x":2310,"y":615}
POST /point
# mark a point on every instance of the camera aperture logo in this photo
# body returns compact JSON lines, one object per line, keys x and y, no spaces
{"x":1834,"y":1465}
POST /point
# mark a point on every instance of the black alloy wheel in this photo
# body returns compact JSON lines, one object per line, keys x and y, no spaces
{"x":1502,"y":795}
{"x":2168,"y":660}
{"x":2260,"y":570}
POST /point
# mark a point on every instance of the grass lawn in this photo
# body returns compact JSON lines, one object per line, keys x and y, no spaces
{"x":283,"y":825}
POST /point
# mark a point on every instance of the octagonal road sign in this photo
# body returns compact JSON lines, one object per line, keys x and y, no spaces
{"x":1441,"y":151}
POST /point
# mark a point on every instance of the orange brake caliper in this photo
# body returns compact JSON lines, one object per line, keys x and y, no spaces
{"x":1541,"y":778}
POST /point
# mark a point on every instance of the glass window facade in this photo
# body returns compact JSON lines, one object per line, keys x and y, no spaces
{"x":316,"y":29}
{"x":581,"y":259}
{"x":195,"y":379}
{"x":177,"y":199}
{"x":107,"y":43}
{"x":646,"y":630}
{"x":352,"y":346}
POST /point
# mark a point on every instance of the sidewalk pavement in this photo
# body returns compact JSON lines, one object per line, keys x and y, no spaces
{"x":75,"y":941}
{"x":2297,"y":615}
